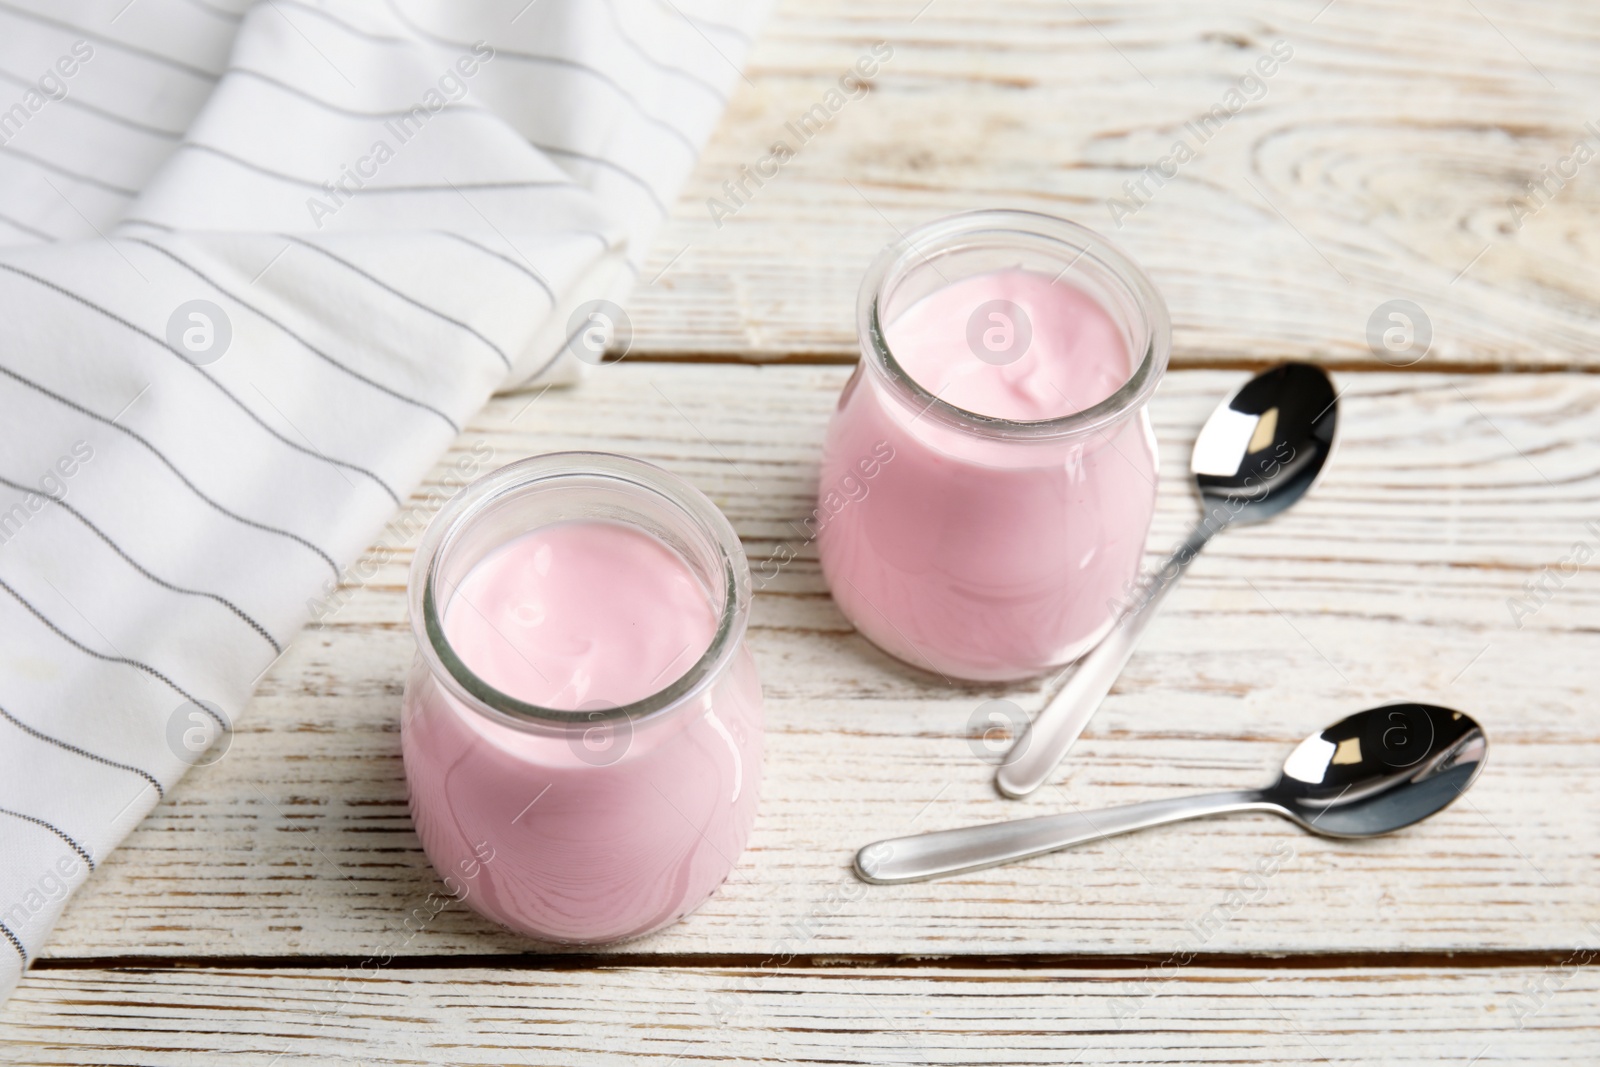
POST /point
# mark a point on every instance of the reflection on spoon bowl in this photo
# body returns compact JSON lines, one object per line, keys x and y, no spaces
{"x":1380,"y":770}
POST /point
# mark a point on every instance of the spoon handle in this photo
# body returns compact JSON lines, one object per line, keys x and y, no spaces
{"x":1053,"y":731}
{"x":972,"y":848}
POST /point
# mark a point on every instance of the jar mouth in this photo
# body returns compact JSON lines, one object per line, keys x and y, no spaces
{"x":1044,"y":235}
{"x":669,"y":508}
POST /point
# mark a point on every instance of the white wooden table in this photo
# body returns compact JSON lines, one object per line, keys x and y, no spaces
{"x":260,"y":913}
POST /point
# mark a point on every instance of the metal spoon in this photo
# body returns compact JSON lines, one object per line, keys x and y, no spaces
{"x":1259,"y":452}
{"x":1375,"y":772}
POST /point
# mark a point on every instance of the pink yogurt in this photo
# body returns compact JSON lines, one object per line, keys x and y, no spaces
{"x":1074,"y":358}
{"x":598,"y":828}
{"x":989,"y":549}
{"x":580,"y":615}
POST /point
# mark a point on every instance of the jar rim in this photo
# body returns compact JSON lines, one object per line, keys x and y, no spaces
{"x":929,"y":240}
{"x":459,"y":513}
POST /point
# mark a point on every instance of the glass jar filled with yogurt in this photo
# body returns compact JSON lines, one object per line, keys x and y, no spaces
{"x":989,"y":476}
{"x":582,"y":728}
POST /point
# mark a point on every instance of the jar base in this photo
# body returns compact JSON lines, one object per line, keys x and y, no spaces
{"x":959,"y":671}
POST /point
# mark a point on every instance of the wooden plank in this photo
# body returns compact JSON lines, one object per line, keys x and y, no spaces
{"x":1378,"y":162}
{"x":168,"y":1018}
{"x":1391,"y":581}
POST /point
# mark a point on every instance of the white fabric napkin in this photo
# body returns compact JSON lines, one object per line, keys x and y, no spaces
{"x":257,"y":267}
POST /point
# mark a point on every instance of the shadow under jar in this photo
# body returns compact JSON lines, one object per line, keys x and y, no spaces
{"x":598,"y":819}
{"x":989,"y":475}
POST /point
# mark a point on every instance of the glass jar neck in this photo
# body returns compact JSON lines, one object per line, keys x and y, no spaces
{"x":564,"y":487}
{"x":933,"y":255}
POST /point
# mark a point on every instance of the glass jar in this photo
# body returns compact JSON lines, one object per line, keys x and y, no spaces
{"x":978,"y":547}
{"x":597,"y":824}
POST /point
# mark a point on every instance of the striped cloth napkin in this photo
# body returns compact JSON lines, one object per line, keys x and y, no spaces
{"x":258,"y":263}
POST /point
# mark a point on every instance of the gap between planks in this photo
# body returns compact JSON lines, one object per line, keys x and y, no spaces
{"x":835,"y":358}
{"x":588,"y":961}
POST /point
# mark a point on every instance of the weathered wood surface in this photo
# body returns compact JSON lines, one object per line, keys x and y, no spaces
{"x":1389,"y":582}
{"x":276,"y":1017}
{"x":1378,"y":163}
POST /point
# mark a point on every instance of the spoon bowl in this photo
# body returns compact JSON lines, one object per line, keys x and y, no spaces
{"x":1265,"y":446}
{"x":1380,"y":770}
{"x":1369,"y":774}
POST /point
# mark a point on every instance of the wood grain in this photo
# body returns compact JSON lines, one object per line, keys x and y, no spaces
{"x":263,"y":1018}
{"x":1377,"y":163}
{"x":1389,"y":582}
{"x":1381,"y":161}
